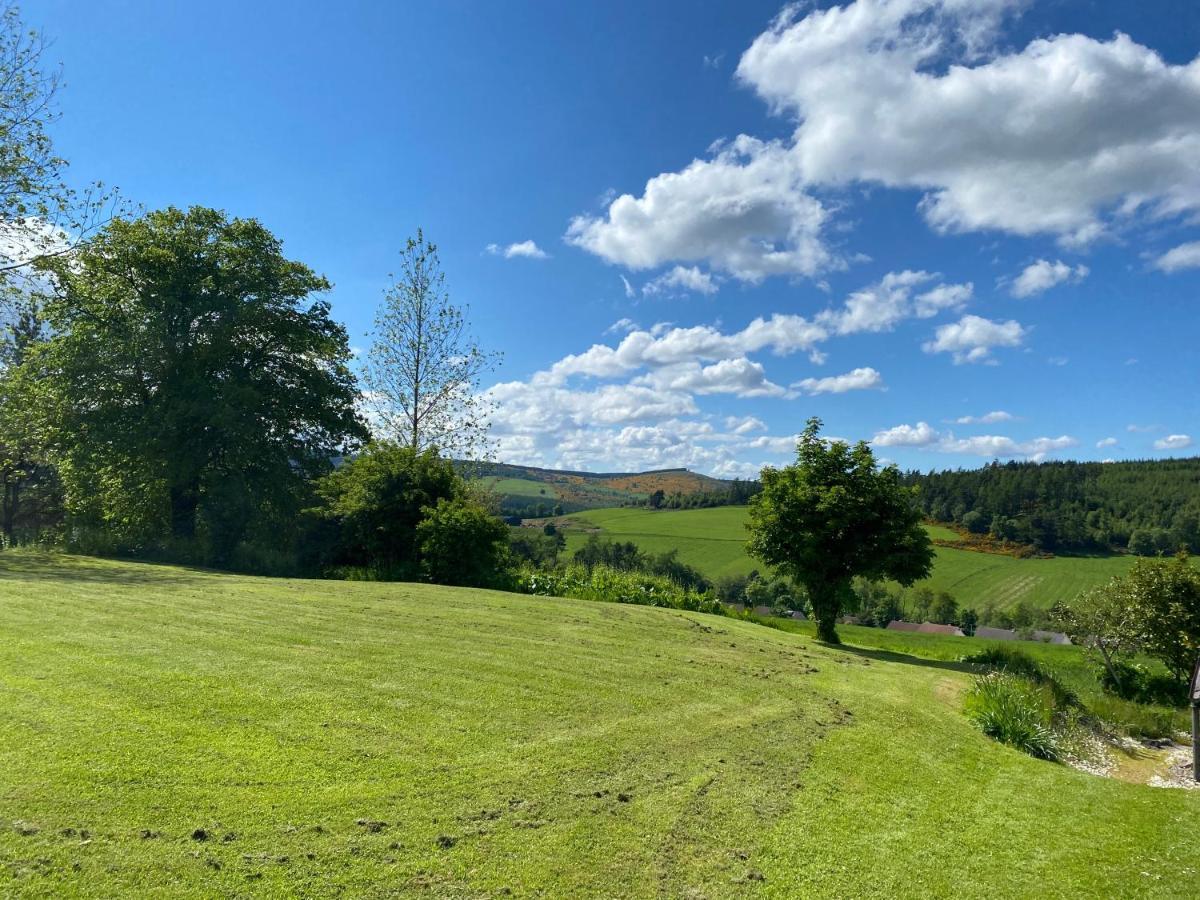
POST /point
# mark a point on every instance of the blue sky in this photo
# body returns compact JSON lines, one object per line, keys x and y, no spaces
{"x":963,"y":229}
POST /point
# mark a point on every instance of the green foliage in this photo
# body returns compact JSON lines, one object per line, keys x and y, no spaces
{"x":1149,"y":506}
{"x":372,"y":504}
{"x":1136,"y":682}
{"x":1014,"y":711}
{"x":1164,"y":596}
{"x":609,"y":585}
{"x":1015,"y":661}
{"x":191,"y":385}
{"x":539,"y":549}
{"x":461,"y":543}
{"x":834,"y":515}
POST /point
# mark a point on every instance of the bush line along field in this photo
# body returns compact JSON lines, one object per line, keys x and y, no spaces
{"x":341,"y":737}
{"x":714,"y":541}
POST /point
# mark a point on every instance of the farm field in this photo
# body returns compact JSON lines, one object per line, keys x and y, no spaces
{"x":185,"y":733}
{"x":713,"y":540}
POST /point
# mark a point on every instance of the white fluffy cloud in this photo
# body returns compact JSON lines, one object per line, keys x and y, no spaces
{"x":1185,"y":256}
{"x":1062,"y":137}
{"x":991,"y":418}
{"x":861,"y":379}
{"x":664,"y":346}
{"x":992,"y":446}
{"x":920,"y":435}
{"x":682,"y":279}
{"x":743,"y":210}
{"x":739,"y":376}
{"x":1173,"y":442}
{"x":1106,"y":442}
{"x":526,"y":249}
{"x":1042,"y":275}
{"x":881,"y":306}
{"x":1067,"y":136}
{"x":972,"y":338}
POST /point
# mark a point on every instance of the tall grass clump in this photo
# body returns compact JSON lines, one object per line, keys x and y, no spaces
{"x":1014,"y":661}
{"x":1015,"y":711}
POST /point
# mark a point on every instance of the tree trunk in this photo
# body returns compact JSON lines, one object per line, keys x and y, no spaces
{"x":185,"y":499}
{"x":826,"y":602}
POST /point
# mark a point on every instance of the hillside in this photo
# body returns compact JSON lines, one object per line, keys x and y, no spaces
{"x":522,"y":489}
{"x":713,"y":540}
{"x":185,"y":732}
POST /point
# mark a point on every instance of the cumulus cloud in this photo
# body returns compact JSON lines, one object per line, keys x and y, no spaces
{"x":972,"y":338}
{"x":1001,"y":447}
{"x":1067,"y":136}
{"x":920,"y":435}
{"x":743,"y":210}
{"x":1043,"y":275}
{"x":881,"y":306}
{"x":739,"y":376}
{"x":924,"y":436}
{"x":1106,"y":442}
{"x":1185,"y":256}
{"x":1060,"y":137}
{"x":860,"y":379}
{"x":1173,"y":442}
{"x":782,"y":334}
{"x":991,"y":418}
{"x":526,"y":249}
{"x":682,"y":279}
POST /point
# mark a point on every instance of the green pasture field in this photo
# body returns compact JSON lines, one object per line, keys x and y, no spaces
{"x":169,"y":732}
{"x":520,"y":487}
{"x":713,"y":540}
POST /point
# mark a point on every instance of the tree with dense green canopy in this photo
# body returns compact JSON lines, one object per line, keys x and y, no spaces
{"x":833,"y":515}
{"x":193,"y":383}
{"x":376,"y":501}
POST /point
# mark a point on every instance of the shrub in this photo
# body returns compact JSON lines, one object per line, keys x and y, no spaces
{"x":1130,"y":681}
{"x":1012,"y":661}
{"x":461,"y":543}
{"x":1015,"y":711}
{"x":609,"y":585}
{"x":1138,"y":720}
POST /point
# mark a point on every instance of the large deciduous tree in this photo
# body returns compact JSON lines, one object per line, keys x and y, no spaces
{"x":193,"y":381}
{"x":424,"y":368}
{"x":833,"y":515}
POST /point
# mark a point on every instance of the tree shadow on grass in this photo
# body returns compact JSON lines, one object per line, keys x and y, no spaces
{"x":51,"y":566}
{"x":905,"y":658}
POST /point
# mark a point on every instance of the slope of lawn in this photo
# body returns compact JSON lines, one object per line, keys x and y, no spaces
{"x":171,"y":732}
{"x":714,"y":541}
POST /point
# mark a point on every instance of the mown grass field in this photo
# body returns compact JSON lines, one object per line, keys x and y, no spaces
{"x":713,"y":540}
{"x":371,"y":740}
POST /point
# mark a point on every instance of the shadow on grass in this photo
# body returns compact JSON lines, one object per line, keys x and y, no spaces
{"x":52,"y":566}
{"x":905,"y":658}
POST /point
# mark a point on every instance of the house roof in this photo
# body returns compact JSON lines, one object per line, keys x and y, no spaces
{"x":931,"y":628}
{"x":1053,"y":637}
{"x":995,"y":634}
{"x":897,"y":625}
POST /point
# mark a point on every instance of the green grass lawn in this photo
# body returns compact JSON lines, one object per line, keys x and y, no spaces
{"x":714,"y":540}
{"x":372,"y":740}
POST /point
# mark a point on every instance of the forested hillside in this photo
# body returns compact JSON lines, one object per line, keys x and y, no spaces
{"x":1146,"y":506}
